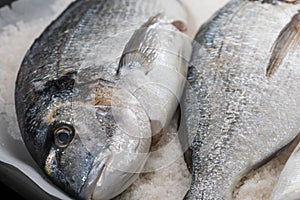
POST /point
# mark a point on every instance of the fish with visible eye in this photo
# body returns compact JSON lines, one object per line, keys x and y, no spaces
{"x":96,"y":86}
{"x":241,"y":103}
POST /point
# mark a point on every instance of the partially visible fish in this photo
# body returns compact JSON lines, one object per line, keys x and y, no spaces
{"x":241,"y":103}
{"x":95,"y":87}
{"x":288,"y":184}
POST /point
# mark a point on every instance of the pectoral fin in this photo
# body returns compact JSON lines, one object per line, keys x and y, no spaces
{"x":288,"y":40}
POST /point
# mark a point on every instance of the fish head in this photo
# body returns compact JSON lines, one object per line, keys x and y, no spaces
{"x":90,"y":151}
{"x":67,"y":140}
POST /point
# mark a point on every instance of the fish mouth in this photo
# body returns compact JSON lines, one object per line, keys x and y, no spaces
{"x":106,"y":181}
{"x":94,"y":175}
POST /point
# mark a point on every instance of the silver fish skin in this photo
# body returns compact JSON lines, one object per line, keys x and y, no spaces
{"x":288,"y":185}
{"x":241,"y":103}
{"x":95,"y":87}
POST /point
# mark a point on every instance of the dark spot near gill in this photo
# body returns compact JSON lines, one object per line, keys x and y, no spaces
{"x":61,"y":85}
{"x":6,"y":3}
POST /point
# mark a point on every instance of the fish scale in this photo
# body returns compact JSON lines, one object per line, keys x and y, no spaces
{"x":237,"y":117}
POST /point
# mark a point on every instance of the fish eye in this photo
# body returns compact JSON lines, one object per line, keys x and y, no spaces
{"x":63,"y":136}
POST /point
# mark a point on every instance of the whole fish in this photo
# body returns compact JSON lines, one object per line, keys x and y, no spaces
{"x":241,"y":103}
{"x":95,"y":87}
{"x":288,"y":185}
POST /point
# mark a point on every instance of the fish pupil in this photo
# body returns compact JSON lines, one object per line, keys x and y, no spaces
{"x":63,"y":137}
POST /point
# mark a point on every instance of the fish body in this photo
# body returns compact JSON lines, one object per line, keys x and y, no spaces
{"x":94,"y":88}
{"x":241,"y":103}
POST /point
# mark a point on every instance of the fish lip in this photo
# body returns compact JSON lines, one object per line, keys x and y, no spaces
{"x":98,"y":171}
{"x":93,"y":177}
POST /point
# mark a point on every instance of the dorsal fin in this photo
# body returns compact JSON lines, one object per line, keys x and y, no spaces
{"x":288,"y":40}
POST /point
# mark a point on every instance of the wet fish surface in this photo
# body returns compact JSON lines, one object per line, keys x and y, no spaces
{"x":288,"y":185}
{"x":96,"y":86}
{"x":241,"y":103}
